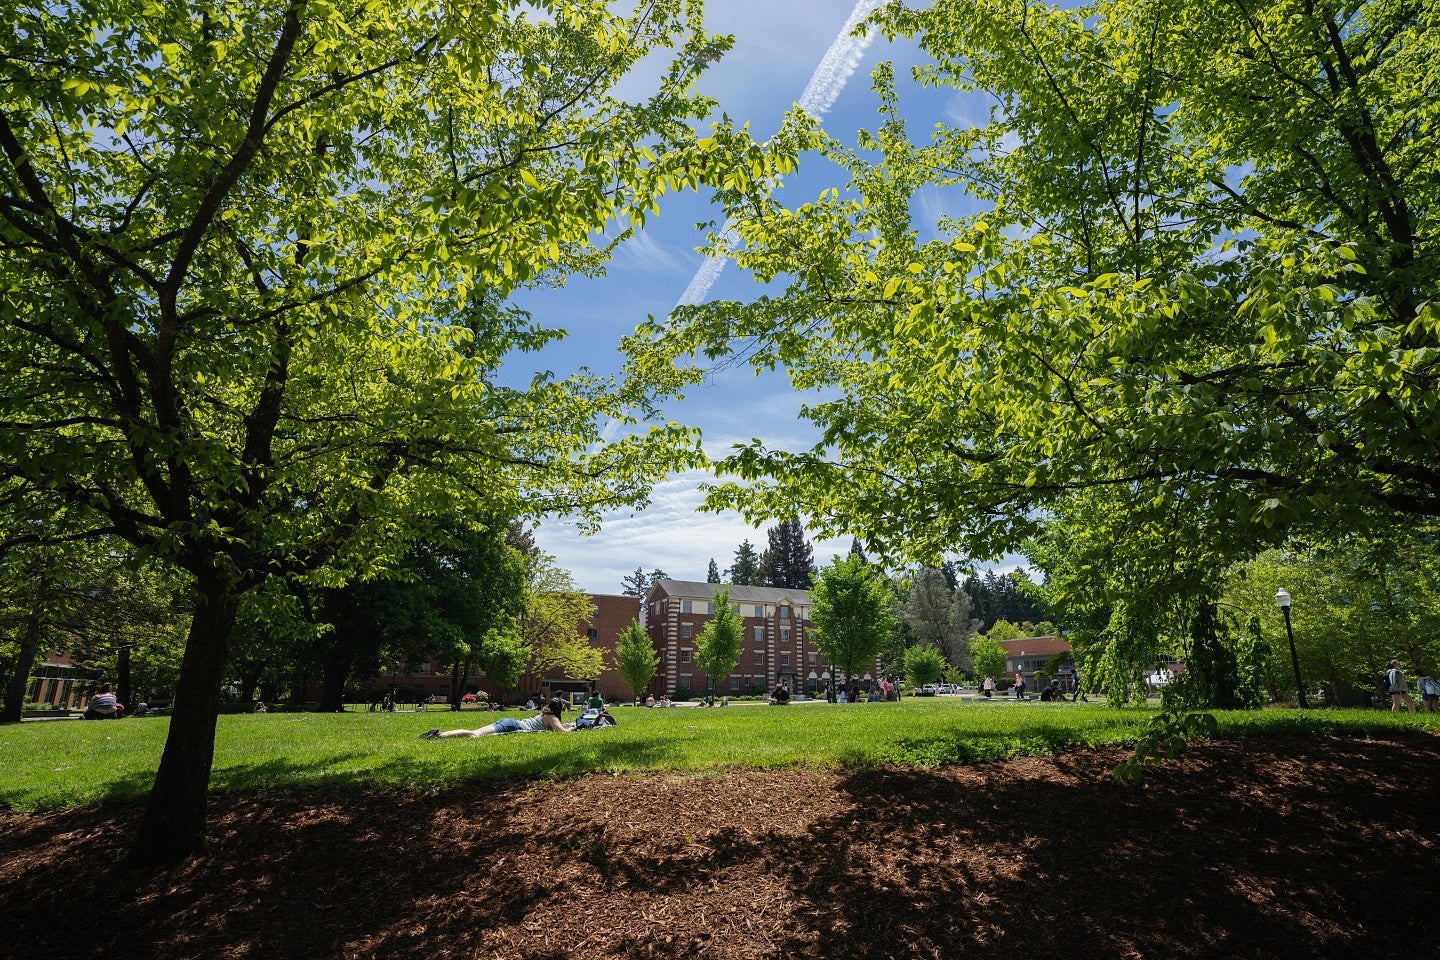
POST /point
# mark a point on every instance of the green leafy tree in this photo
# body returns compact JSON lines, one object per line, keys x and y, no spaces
{"x":121,"y":619}
{"x":635,"y":658}
{"x":504,"y":655}
{"x":438,"y":602}
{"x":549,"y":621}
{"x":1358,"y":602}
{"x":1194,"y":295}
{"x":852,"y":615}
{"x":989,"y":656}
{"x":258,"y":260}
{"x":717,"y":649}
{"x":924,"y":663}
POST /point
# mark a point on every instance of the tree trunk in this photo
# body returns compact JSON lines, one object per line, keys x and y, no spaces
{"x":333,"y":688}
{"x":122,"y":680}
{"x":20,"y":678}
{"x":249,"y":680}
{"x":174,"y":824}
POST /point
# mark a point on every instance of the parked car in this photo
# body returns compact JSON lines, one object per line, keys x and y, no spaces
{"x":929,"y":690}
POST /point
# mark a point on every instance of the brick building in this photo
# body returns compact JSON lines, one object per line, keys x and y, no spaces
{"x":609,"y":616}
{"x":776,"y":646}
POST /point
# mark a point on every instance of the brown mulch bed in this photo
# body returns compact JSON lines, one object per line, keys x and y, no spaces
{"x":1289,"y":849}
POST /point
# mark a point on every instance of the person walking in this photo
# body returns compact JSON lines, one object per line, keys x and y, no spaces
{"x":1399,"y":688}
{"x":1429,"y":689}
{"x":1078,"y":693}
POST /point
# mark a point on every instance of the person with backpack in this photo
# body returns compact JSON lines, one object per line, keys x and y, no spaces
{"x":1399,"y":688}
{"x":1429,"y":689}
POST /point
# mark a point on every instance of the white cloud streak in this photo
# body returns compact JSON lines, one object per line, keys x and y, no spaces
{"x":826,"y":84}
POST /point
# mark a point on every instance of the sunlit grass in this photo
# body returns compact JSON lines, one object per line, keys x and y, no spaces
{"x":61,"y":764}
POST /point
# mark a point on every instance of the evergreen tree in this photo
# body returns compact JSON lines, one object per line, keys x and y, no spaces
{"x":713,"y":574}
{"x":858,"y":551}
{"x":933,"y":617}
{"x":635,"y":658}
{"x":638,"y":584}
{"x":788,"y":561}
{"x":746,"y":570}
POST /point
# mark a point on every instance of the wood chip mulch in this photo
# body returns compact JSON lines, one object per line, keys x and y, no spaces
{"x":1236,"y":850}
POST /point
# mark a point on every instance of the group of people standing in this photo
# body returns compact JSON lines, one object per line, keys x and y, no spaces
{"x":1398,"y":687}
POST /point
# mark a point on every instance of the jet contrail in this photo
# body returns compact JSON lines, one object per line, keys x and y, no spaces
{"x":831,"y":74}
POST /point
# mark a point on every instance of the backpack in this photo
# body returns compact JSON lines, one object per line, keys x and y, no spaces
{"x":593,"y":718}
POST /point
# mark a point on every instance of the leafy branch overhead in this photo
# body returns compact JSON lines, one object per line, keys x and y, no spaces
{"x":1193,"y":285}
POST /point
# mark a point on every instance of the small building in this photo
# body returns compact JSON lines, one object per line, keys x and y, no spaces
{"x":1031,"y":655}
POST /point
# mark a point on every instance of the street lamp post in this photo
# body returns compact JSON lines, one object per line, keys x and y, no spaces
{"x":1283,"y":598}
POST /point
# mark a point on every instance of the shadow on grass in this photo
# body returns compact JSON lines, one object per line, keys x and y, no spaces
{"x":1320,"y":849}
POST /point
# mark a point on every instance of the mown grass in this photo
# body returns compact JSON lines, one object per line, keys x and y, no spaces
{"x":57,"y":765}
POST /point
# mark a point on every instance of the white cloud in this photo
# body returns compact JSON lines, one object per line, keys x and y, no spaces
{"x":671,"y":535}
{"x":642,"y":254}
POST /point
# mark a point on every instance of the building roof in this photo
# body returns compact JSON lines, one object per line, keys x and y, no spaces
{"x":700,"y":590}
{"x":1035,"y":646}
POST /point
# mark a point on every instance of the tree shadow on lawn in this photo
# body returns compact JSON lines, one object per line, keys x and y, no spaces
{"x":1301,"y":848}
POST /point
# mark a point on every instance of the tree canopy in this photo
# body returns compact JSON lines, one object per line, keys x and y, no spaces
{"x":635,"y":658}
{"x":1192,"y":279}
{"x":851,"y":614}
{"x":256,"y":275}
{"x":717,"y":649}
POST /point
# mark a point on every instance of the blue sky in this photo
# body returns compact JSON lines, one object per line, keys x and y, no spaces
{"x":778,"y":48}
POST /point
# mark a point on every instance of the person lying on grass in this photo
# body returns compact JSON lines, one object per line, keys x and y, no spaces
{"x":548,"y":719}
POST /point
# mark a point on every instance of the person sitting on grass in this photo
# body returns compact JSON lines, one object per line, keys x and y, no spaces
{"x":104,"y":706}
{"x":781,"y":695}
{"x":548,"y":719}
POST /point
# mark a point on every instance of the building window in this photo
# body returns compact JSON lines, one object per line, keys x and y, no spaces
{"x":685,"y":606}
{"x":420,"y":669}
{"x":709,"y":607}
{"x":759,"y":634}
{"x":784,"y":613}
{"x":592,"y":635}
{"x":759,"y":610}
{"x":734,"y":683}
{"x":685,"y":656}
{"x":813,"y":659}
{"x":760,"y":659}
{"x":784,"y":634}
{"x":784,"y":658}
{"x":684,"y":631}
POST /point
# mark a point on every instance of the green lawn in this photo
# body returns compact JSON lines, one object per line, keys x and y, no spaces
{"x":59,"y":764}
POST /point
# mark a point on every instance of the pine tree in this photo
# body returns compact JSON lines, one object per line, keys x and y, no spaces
{"x":788,"y":561}
{"x":746,"y":570}
{"x":636,"y":584}
{"x":713,"y":575}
